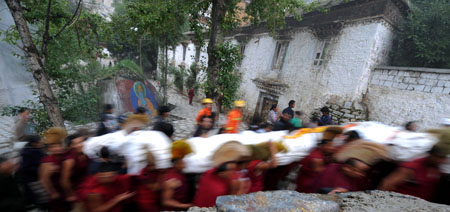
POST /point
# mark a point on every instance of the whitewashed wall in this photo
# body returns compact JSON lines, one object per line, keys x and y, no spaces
{"x":397,"y":95}
{"x":350,"y":57}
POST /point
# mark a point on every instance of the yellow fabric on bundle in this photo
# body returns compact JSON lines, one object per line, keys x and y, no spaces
{"x":54,"y":135}
{"x":304,"y":131}
{"x":180,"y":149}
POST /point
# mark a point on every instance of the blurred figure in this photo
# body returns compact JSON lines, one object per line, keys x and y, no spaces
{"x":260,"y":164}
{"x":419,"y":177}
{"x":315,"y":162}
{"x":313,"y":122}
{"x":290,"y":109}
{"x":141,"y":111}
{"x":235,"y":117}
{"x":50,"y":169}
{"x":341,"y":177}
{"x":265,"y":127}
{"x":349,"y":137}
{"x":106,"y":190}
{"x":283,"y":123}
{"x":325,"y":119}
{"x":75,"y":167}
{"x":165,"y":128}
{"x":411,"y":126}
{"x":24,"y":126}
{"x":175,"y":187}
{"x":206,"y":111}
{"x":191,"y":95}
{"x":273,"y":115}
{"x":108,"y":122}
{"x":204,"y":126}
{"x":445,"y":122}
{"x":147,"y":194}
{"x":28,"y":172}
{"x":297,"y":120}
{"x":219,"y":181}
{"x":163,"y":114}
{"x":11,"y":199}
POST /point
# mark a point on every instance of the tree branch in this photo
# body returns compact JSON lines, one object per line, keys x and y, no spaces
{"x":71,"y":21}
{"x":46,"y":36}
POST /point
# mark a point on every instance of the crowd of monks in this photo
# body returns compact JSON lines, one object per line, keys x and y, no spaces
{"x":56,"y":175}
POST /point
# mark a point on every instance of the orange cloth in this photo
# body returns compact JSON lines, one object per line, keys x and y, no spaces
{"x":203,"y":112}
{"x":234,"y":119}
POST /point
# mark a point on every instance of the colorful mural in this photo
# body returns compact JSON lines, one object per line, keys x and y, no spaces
{"x":141,"y":96}
{"x":137,"y":93}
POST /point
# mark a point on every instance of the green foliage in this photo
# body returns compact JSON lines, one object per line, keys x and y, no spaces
{"x":229,"y":78}
{"x":71,"y":59}
{"x":192,"y":74}
{"x":274,"y":12}
{"x":422,"y":40}
{"x":39,"y":116}
{"x":179,"y":74}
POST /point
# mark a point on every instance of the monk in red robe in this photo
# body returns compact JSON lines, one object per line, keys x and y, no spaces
{"x":74,"y":166}
{"x":341,"y":177}
{"x":147,"y":194}
{"x":419,"y":177}
{"x":257,"y":169}
{"x":107,"y":191}
{"x":50,"y":169}
{"x":221,"y":180}
{"x":315,"y":162}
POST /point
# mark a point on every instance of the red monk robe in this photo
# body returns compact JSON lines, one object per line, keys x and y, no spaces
{"x":333,"y":177}
{"x":424,"y":182}
{"x":307,"y":175}
{"x":55,"y":161}
{"x":147,"y":195}
{"x":256,"y":177}
{"x":210,"y":187}
{"x":109,"y":191}
{"x":181,"y":193}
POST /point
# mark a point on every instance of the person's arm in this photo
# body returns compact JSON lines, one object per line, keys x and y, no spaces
{"x":273,"y":163}
{"x":167,"y":195}
{"x":45,"y":172}
{"x":94,"y":202}
{"x":395,"y":178}
{"x":66,"y":174}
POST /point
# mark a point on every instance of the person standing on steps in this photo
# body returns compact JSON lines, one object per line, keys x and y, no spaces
{"x":191,"y":95}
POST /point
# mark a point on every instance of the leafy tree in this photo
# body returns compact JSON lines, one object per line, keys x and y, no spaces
{"x":220,"y":16}
{"x":422,"y":39}
{"x":61,"y":52}
{"x":162,"y":21}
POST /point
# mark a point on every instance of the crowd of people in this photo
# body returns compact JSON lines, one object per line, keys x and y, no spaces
{"x":54,"y":174}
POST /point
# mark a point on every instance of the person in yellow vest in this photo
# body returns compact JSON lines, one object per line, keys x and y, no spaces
{"x":235,"y":117}
{"x":206,"y":111}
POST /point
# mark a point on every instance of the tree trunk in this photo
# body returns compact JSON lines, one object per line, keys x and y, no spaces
{"x":217,"y":15}
{"x":166,"y":69}
{"x":36,"y":64}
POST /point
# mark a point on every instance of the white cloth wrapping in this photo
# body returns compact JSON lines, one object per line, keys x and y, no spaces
{"x":403,"y":145}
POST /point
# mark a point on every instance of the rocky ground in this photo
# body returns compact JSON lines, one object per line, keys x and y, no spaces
{"x":369,"y":201}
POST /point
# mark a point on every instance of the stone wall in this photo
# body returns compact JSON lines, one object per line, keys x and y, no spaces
{"x":345,"y":111}
{"x":400,"y":94}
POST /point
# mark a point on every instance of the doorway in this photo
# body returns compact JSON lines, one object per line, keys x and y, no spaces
{"x":265,"y":101}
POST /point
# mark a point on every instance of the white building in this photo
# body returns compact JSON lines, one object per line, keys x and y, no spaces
{"x":325,"y":59}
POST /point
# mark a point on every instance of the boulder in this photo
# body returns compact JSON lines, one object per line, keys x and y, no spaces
{"x":275,"y":201}
{"x":371,"y":201}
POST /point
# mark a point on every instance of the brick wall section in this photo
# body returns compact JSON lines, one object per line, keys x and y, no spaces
{"x":413,"y":79}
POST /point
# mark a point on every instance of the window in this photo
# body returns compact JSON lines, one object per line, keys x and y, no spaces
{"x":280,"y":53}
{"x":184,"y":51}
{"x":321,"y":50}
{"x":242,"y":53}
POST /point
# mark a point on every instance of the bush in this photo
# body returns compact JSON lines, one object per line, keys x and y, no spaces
{"x":422,"y":40}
